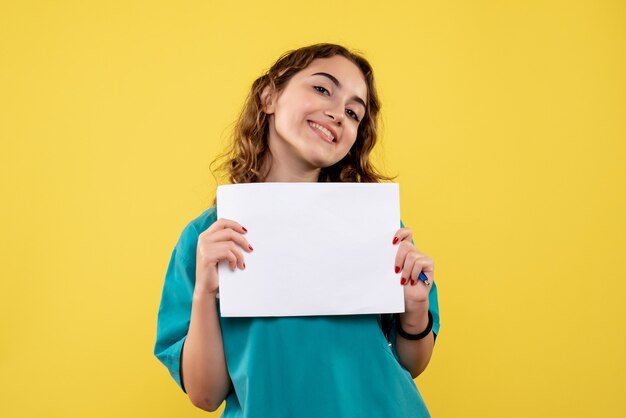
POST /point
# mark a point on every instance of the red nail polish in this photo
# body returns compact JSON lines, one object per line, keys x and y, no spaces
{"x":403,"y":281}
{"x":397,"y":269}
{"x":244,"y":229}
{"x":413,"y":282}
{"x":244,"y":265}
{"x":250,"y":246}
{"x":395,"y":239}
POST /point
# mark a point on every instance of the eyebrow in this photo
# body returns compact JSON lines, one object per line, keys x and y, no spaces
{"x":338,"y":84}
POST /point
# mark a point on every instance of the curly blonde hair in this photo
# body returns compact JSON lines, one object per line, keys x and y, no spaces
{"x":246,"y":158}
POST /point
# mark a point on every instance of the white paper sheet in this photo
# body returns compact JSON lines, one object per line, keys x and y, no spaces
{"x":319,"y":249}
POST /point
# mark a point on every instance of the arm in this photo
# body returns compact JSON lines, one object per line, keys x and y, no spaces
{"x":189,"y":339}
{"x":415,"y":355}
{"x":418,"y":300}
{"x":204,"y":369}
{"x":203,"y":360}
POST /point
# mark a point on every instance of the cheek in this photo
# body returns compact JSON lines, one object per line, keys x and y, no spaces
{"x":294,"y":111}
{"x":304,"y":107}
{"x":351,"y":134}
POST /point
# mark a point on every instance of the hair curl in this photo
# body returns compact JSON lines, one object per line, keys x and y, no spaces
{"x":247,"y":158}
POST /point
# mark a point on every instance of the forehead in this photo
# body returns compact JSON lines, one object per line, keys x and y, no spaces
{"x":348,"y":74}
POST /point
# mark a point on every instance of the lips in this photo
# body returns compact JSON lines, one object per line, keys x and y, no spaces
{"x":321,"y":134}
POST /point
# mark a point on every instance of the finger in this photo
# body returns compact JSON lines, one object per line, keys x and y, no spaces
{"x":424,"y":265}
{"x":409,"y":265}
{"x":223,"y":223}
{"x":416,"y":270}
{"x":402,"y":234}
{"x":403,"y":250}
{"x":238,"y":262}
{"x":225,"y":253}
{"x":230,"y":235}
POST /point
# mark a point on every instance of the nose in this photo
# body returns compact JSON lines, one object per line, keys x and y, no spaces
{"x":336,"y":115}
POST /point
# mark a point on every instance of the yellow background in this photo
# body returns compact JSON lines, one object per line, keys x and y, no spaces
{"x":504,"y":119}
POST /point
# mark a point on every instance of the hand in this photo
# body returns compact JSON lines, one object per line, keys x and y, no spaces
{"x":221,"y":241}
{"x":410,"y":262}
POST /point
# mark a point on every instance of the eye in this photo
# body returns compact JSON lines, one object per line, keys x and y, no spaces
{"x":355,"y":117}
{"x":320,"y":89}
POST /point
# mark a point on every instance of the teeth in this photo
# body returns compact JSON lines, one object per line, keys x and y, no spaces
{"x":323,"y":130}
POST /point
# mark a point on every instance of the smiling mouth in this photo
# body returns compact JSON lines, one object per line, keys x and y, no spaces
{"x":322,"y":132}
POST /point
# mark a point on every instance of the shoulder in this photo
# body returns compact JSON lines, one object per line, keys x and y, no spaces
{"x":204,"y":220}
{"x":188,"y":240}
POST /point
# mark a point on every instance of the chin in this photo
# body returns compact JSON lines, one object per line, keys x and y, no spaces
{"x":322,"y":162}
{"x":316,"y":159}
{"x":319,"y":157}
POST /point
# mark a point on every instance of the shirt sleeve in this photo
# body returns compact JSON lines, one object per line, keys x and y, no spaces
{"x":176,"y":300}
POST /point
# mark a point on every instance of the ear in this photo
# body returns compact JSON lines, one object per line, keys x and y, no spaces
{"x":268,"y":100}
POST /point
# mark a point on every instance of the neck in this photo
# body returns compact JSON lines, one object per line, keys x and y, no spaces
{"x":282,"y":173}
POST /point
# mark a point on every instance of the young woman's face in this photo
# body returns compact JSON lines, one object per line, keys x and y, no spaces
{"x":313,"y":123}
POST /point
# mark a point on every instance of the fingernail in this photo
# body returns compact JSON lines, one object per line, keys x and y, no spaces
{"x":413,"y":282}
{"x":244,"y":265}
{"x":250,"y":246}
{"x":397,"y":269}
{"x":244,"y":229}
{"x":403,"y":281}
{"x":395,"y":239}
